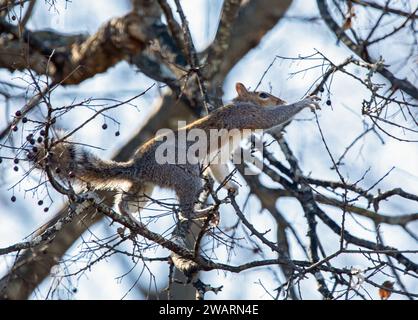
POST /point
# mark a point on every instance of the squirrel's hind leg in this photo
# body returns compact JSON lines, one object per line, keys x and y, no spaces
{"x":188,"y":185}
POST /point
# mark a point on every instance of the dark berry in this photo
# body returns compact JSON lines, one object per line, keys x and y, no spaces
{"x":29,"y":137}
{"x":35,"y":149}
{"x":1,"y":160}
{"x":71,"y":174}
{"x":32,"y":141}
{"x":40,"y":202}
{"x":328,"y":102}
{"x":16,"y":161}
{"x":16,"y":168}
{"x":15,"y":128}
{"x":42,"y":133}
{"x":57,"y":170}
{"x":13,"y":17}
{"x":117,"y":133}
{"x":13,"y":198}
{"x":18,"y":113}
{"x":104,"y":126}
{"x":40,"y":139}
{"x":24,"y":119}
{"x":75,"y":290}
{"x":321,"y":89}
{"x":46,"y":209}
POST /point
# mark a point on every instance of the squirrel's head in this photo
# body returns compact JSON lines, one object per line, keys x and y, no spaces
{"x":259,"y":98}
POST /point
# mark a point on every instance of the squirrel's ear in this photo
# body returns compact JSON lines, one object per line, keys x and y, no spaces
{"x":241,"y":90}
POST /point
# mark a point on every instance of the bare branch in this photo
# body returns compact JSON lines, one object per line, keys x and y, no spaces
{"x":359,"y":50}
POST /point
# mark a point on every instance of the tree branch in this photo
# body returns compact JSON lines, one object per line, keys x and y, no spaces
{"x":358,"y":49}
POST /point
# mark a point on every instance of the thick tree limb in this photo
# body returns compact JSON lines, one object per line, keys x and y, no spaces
{"x":255,"y":19}
{"x":223,"y":39}
{"x":74,"y":59}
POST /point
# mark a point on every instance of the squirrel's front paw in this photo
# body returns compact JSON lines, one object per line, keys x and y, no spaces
{"x":312,"y":102}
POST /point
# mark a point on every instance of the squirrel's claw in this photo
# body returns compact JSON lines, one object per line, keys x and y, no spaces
{"x":315,"y":98}
{"x":312,"y":102}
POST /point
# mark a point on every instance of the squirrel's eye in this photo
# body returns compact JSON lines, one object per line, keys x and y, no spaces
{"x":263,"y":95}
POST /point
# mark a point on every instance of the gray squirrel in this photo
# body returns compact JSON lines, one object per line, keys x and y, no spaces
{"x":136,"y":178}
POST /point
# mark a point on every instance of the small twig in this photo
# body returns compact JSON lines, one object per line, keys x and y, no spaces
{"x":192,"y":56}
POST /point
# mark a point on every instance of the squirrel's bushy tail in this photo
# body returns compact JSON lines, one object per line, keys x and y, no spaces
{"x":72,"y":162}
